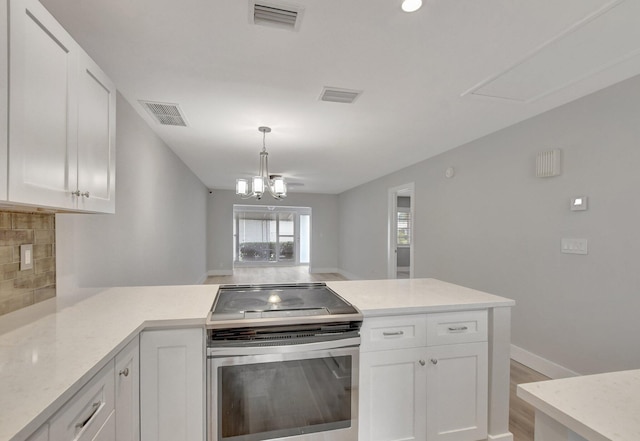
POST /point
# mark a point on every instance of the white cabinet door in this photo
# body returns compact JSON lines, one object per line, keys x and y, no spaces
{"x":61,"y":111}
{"x":96,"y":138}
{"x":457,"y":381}
{"x":127,"y":416}
{"x":42,"y":108}
{"x":392,"y":398}
{"x":172,"y":385}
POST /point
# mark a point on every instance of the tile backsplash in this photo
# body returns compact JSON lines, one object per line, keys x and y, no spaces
{"x":23,"y":288}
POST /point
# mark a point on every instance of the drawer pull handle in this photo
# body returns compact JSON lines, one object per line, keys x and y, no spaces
{"x":94,"y":410}
{"x":124,"y":372}
{"x":391,"y":334}
{"x":458,"y":328}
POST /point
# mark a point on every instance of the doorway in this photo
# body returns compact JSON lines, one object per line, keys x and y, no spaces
{"x":271,"y":236}
{"x":400,"y":233}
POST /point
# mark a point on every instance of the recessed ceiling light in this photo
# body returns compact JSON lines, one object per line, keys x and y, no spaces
{"x":411,"y":5}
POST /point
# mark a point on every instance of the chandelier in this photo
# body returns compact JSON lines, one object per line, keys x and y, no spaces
{"x":255,"y":188}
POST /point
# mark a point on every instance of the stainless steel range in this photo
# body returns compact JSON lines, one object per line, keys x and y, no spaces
{"x":282,"y":363}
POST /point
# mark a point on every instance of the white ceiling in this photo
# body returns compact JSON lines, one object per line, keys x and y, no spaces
{"x":425,"y":76}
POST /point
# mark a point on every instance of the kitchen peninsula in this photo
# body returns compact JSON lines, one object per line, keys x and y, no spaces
{"x":44,"y":362}
{"x":600,"y":407}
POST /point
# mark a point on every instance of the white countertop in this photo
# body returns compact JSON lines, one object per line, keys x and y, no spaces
{"x":44,"y":361}
{"x":601,"y":407}
{"x":413,"y":296}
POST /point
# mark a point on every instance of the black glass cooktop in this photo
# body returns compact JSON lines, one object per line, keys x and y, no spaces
{"x":236,"y":302}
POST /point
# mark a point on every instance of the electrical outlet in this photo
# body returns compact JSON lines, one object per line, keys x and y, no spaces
{"x":26,"y":257}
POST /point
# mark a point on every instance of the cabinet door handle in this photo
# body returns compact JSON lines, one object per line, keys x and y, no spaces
{"x":458,"y":328}
{"x":392,"y":333}
{"x":94,"y":409}
{"x":124,"y":372}
{"x":78,"y":193}
{"x":422,"y":362}
{"x":434,"y":361}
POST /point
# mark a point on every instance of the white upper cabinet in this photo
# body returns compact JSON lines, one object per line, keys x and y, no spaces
{"x":61,"y":117}
{"x":96,"y":138}
{"x":42,"y":108}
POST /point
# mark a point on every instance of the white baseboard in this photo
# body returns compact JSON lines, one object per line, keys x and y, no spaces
{"x":348,"y":275}
{"x":502,"y":437}
{"x":323,"y":270}
{"x":228,"y":272}
{"x":542,"y":365}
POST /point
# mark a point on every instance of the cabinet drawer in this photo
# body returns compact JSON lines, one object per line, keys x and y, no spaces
{"x":87,"y":411}
{"x":108,"y":430}
{"x":456,"y":327}
{"x":381,"y":333}
{"x":41,"y":435}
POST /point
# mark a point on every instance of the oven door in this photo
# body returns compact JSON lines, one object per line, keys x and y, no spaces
{"x":295,"y":392}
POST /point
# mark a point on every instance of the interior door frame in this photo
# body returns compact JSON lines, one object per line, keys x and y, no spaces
{"x":392,"y":209}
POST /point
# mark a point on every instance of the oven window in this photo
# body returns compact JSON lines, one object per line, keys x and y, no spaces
{"x":271,"y":400}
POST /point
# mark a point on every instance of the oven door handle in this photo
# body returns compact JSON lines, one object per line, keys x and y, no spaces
{"x":226,"y":351}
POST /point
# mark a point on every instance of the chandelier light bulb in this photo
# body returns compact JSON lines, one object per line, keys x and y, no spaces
{"x":258,"y":185}
{"x":279,"y":186}
{"x":242,"y":187}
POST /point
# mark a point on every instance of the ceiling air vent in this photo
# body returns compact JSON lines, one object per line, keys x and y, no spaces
{"x":166,"y":114}
{"x":275,"y":15}
{"x":335,"y":95}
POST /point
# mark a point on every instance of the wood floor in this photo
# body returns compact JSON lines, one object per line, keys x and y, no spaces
{"x":521,"y":415}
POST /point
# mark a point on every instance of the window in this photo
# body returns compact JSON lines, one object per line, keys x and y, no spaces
{"x":271,"y":235}
{"x":403,"y":225}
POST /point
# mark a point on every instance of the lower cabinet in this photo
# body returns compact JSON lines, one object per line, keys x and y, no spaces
{"x":457,"y":382}
{"x":172,"y":385}
{"x":434,"y":387}
{"x":84,"y":416}
{"x":392,"y":398}
{"x":104,"y":409}
{"x":42,"y":434}
{"x":108,"y":430}
{"x":127,"y":374}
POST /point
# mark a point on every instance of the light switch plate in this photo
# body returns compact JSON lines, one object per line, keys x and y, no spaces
{"x":26,"y":257}
{"x":574,"y":246}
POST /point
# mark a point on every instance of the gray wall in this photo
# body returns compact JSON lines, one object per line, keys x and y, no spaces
{"x":324,"y":226}
{"x":158,"y":234}
{"x":495,"y":227}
